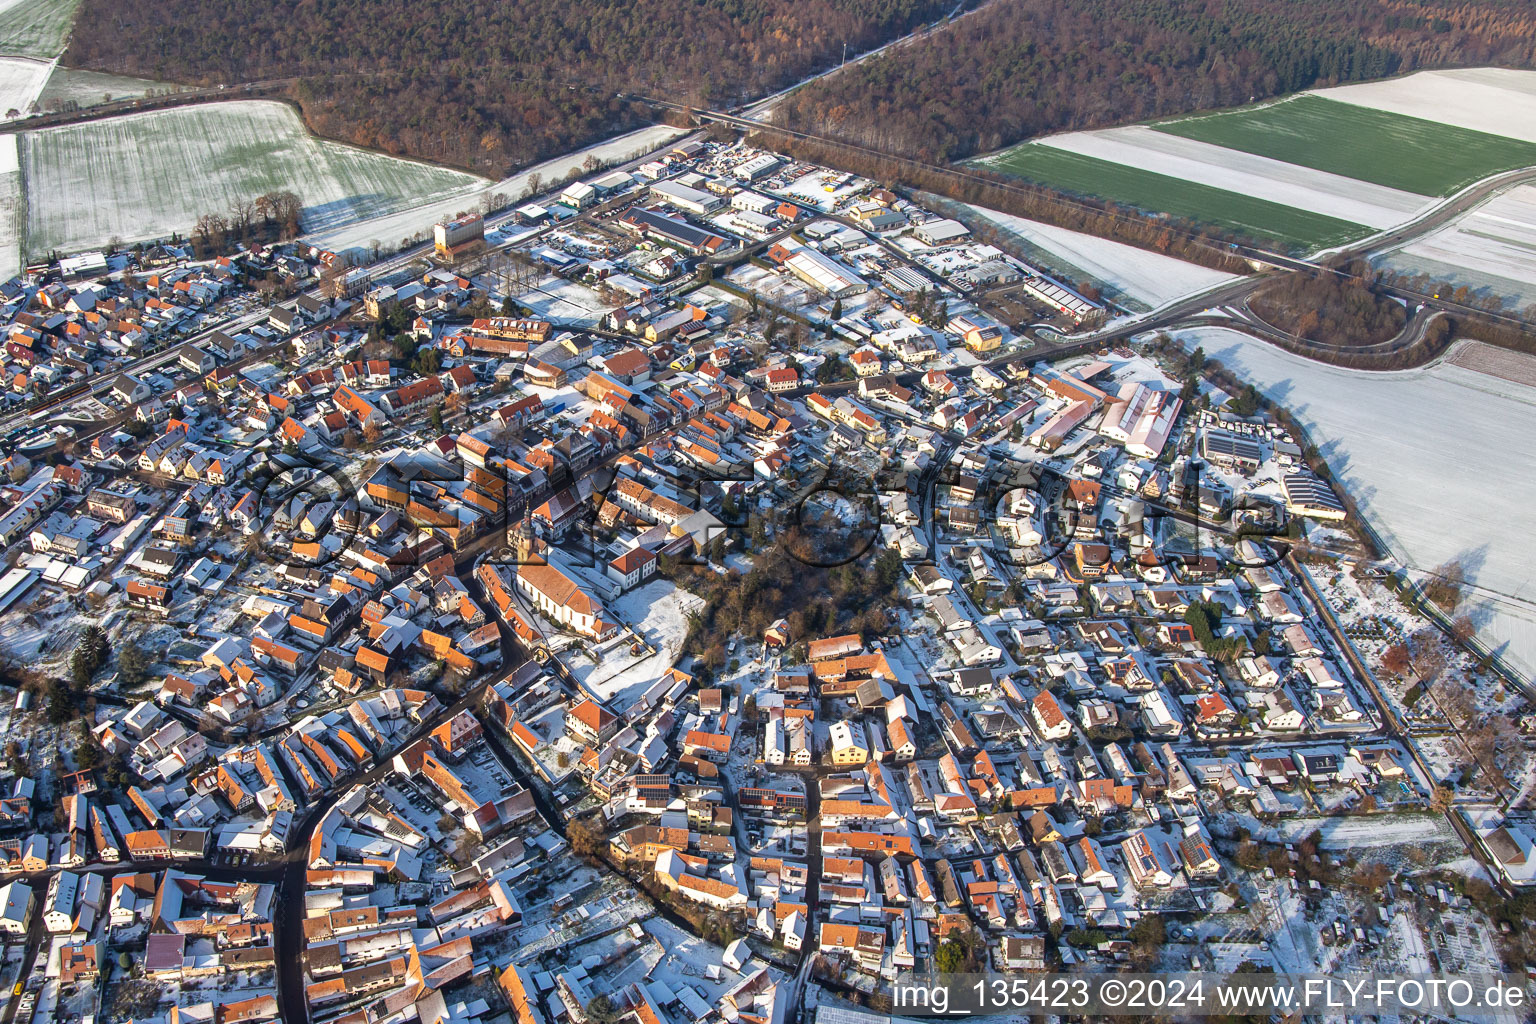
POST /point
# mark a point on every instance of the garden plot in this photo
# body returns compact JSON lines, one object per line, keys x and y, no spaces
{"x":1490,"y":249}
{"x":1361,"y":831}
{"x":780,"y":289}
{"x":1149,"y":278}
{"x":145,"y":176}
{"x":35,"y":28}
{"x":1499,"y":101}
{"x":565,"y":302}
{"x":1332,"y":195}
{"x":1427,"y":455}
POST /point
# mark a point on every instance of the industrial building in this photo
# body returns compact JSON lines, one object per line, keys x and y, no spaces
{"x":1231,"y":451}
{"x":1306,"y":495}
{"x":673,"y":231}
{"x":941,"y":232}
{"x":452,"y":239}
{"x":1141,"y":418}
{"x":684,"y":198}
{"x":1059,"y":298}
{"x":825,"y":274}
{"x":758,"y":167}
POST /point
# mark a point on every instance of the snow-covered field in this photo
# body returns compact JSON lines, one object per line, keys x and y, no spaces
{"x":89,"y":88}
{"x":21,"y":81}
{"x":1147,"y":277}
{"x":1436,"y":459}
{"x":12,"y":209}
{"x":1499,"y":101}
{"x":1492,"y":247}
{"x":1333,"y":195}
{"x":392,"y":228}
{"x":144,"y":176}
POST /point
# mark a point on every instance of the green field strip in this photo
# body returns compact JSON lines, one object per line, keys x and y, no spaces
{"x":1408,"y":153}
{"x":1188,"y":200}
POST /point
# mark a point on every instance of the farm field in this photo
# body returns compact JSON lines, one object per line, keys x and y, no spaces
{"x":1231,"y":169}
{"x":35,"y":28}
{"x":88,"y":88}
{"x":1498,"y":101}
{"x":1141,"y":278}
{"x":21,"y":80}
{"x":144,"y":176}
{"x":11,"y":209}
{"x":1490,"y":249}
{"x":1192,"y":200}
{"x":1312,"y":171}
{"x":1416,"y":448}
{"x":1385,"y":147}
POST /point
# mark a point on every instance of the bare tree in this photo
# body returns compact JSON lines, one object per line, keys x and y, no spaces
{"x":1427,"y":657}
{"x":242,"y":214}
{"x":211,"y":229}
{"x":1445,"y":584}
{"x":333,"y":280}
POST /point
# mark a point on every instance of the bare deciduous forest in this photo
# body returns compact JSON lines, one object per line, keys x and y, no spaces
{"x":1021,"y":68}
{"x":1345,"y":310}
{"x":482,"y":84}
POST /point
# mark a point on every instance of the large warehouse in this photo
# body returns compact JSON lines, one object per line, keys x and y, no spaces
{"x":673,"y":231}
{"x":685,"y":198}
{"x":825,"y":274}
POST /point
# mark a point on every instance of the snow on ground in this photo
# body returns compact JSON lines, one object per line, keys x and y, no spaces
{"x":1492,"y":247}
{"x":12,"y":208}
{"x":1303,"y":188}
{"x":568,"y":303}
{"x":780,"y":289}
{"x":1354,"y":832}
{"x":658,"y":612}
{"x":1431,"y":458}
{"x":89,"y":88}
{"x":1148,"y":277}
{"x":687,"y":960}
{"x":1499,"y":101}
{"x":21,"y":80}
{"x":811,"y":190}
{"x":391,"y":228}
{"x":144,"y":176}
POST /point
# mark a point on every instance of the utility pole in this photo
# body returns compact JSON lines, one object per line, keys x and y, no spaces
{"x":845,"y":53}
